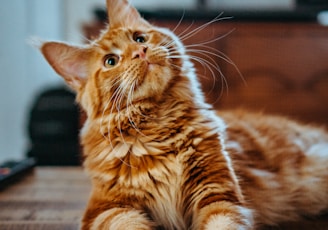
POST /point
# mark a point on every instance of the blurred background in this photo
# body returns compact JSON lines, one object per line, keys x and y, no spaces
{"x":280,"y":48}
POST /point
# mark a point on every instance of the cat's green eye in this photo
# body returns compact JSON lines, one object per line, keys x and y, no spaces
{"x":111,"y":60}
{"x":139,"y":37}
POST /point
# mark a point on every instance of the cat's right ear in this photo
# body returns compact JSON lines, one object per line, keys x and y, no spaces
{"x":68,"y":61}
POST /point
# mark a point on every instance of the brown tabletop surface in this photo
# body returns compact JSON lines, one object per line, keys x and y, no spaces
{"x":53,"y":198}
{"x":47,"y":198}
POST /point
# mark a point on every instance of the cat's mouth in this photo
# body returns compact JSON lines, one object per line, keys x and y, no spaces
{"x":148,"y":67}
{"x":151,"y":66}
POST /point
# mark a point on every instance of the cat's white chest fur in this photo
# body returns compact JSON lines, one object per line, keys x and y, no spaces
{"x":167,"y":208}
{"x":148,"y":169}
{"x":163,"y":180}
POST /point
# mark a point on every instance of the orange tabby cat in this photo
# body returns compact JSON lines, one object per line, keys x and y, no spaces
{"x":159,"y":157}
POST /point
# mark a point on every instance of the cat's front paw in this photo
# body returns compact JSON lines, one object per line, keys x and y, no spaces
{"x":225,"y":216}
{"x":224,"y":222}
{"x":122,"y":219}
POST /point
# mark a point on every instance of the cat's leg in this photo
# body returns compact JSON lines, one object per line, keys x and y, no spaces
{"x":313,"y":181}
{"x":118,"y":219}
{"x":121,"y":219}
{"x":224,"y":216}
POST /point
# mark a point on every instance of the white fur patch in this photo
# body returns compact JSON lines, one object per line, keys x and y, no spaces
{"x":128,"y":219}
{"x":222,"y":222}
{"x":227,"y":222}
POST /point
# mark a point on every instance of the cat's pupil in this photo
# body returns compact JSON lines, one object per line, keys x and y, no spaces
{"x":140,"y":39}
{"x":111,"y":60}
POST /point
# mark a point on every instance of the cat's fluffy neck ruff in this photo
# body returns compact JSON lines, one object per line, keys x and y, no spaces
{"x":183,"y":91}
{"x":182,"y":105}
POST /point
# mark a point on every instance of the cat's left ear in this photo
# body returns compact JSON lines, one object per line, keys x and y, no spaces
{"x":68,"y":61}
{"x":121,"y":13}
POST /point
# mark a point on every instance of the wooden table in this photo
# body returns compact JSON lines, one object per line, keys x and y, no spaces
{"x":53,"y":198}
{"x":48,"y":198}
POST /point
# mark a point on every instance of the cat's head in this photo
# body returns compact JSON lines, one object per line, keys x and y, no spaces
{"x":131,"y":61}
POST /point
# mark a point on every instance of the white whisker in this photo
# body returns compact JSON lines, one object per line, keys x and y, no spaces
{"x":202,"y":27}
{"x":180,"y":21}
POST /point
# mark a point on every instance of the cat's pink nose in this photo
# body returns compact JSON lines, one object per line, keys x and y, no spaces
{"x":140,"y":53}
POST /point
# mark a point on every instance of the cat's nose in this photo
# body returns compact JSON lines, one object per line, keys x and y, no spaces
{"x":140,"y":52}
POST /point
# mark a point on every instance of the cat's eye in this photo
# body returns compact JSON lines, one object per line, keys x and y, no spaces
{"x":111,"y":60}
{"x":139,"y":37}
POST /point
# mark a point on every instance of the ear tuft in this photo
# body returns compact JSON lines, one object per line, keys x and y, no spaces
{"x":121,"y":13}
{"x":68,"y":61}
{"x":35,"y":42}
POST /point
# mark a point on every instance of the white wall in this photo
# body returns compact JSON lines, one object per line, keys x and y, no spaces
{"x":23,"y":71}
{"x":78,"y":12}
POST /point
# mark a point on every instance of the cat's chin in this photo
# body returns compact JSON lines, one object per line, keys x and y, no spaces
{"x":154,"y":82}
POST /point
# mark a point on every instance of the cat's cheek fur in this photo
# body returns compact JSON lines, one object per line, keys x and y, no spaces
{"x":87,"y":98}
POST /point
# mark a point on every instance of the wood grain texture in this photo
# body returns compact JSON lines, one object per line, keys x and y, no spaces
{"x":48,"y":198}
{"x":54,"y":198}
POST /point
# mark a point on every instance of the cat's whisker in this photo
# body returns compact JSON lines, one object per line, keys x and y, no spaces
{"x":216,"y":53}
{"x":210,"y":66}
{"x":108,"y":102}
{"x":221,"y":56}
{"x":207,"y":64}
{"x":125,"y":93}
{"x":207,"y":56}
{"x":213,"y":40}
{"x":114,"y":100}
{"x":180,"y":21}
{"x":129,"y":165}
{"x":176,"y":66}
{"x":103,"y":115}
{"x":202,"y":27}
{"x":129,"y":105}
{"x":174,"y":51}
{"x":185,"y":31}
{"x":168,"y":43}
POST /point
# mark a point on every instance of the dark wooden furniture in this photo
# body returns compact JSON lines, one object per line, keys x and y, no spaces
{"x":275,"y":67}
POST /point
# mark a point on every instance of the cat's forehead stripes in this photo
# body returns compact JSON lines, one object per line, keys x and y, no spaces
{"x":114,"y":39}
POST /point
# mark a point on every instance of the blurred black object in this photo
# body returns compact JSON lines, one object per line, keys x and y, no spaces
{"x":100,"y":14}
{"x":312,"y":2}
{"x":53,"y":128}
{"x":13,"y":171}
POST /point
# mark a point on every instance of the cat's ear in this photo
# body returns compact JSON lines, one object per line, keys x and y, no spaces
{"x":121,"y":13}
{"x":68,"y":61}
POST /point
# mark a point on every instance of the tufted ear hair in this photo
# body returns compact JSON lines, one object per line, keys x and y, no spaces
{"x":70,"y":62}
{"x":121,"y":13}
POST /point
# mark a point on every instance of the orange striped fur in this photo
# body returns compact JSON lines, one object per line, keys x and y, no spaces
{"x":159,"y":157}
